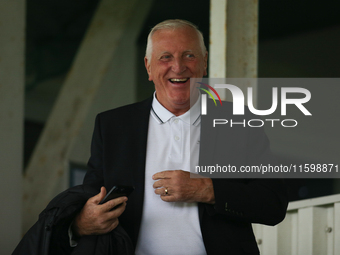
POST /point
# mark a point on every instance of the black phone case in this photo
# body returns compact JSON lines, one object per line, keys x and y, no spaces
{"x":117,"y":191}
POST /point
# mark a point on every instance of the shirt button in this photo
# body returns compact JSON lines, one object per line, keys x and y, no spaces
{"x":176,"y":138}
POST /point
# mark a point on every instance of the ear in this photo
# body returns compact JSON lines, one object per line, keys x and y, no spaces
{"x":205,"y":64}
{"x":148,"y":68}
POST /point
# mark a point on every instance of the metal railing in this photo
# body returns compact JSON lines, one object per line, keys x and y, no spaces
{"x":311,"y":227}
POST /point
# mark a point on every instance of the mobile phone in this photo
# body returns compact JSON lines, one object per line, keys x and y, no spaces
{"x":117,"y":191}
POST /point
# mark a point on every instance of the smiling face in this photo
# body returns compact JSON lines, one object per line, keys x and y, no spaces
{"x":176,"y":57}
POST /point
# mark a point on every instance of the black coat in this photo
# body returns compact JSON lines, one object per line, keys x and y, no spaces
{"x":49,"y":235}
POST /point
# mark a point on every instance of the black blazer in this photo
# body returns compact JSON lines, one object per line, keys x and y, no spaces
{"x":118,"y":154}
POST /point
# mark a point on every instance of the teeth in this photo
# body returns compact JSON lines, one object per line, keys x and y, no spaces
{"x":178,"y":80}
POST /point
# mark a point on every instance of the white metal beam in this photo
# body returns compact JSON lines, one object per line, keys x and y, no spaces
{"x":233,"y":41}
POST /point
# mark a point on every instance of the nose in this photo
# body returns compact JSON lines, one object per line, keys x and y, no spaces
{"x":178,"y":66}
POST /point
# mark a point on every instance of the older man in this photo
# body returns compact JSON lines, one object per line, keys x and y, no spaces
{"x":147,"y":145}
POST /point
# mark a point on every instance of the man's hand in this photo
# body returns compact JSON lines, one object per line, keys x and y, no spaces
{"x":95,"y":219}
{"x":181,"y":188}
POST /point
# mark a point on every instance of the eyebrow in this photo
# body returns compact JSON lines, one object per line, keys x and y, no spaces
{"x":188,"y":51}
{"x":167,"y":52}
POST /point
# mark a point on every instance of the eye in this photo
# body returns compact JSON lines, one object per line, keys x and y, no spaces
{"x":189,"y":55}
{"x":165,"y":57}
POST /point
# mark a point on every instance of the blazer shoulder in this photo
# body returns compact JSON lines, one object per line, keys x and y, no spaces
{"x":127,"y":111}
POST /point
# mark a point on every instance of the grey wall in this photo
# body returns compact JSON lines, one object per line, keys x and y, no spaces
{"x":11,"y":121}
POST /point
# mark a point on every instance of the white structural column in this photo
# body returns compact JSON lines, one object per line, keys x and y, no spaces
{"x":47,"y":172}
{"x":233,"y":40}
{"x":12,"y":43}
{"x":218,"y":39}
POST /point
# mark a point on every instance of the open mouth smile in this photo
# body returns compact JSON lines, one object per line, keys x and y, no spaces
{"x":184,"y":80}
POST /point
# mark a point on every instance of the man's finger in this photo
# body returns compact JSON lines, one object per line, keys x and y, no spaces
{"x":99,"y":197}
{"x":109,"y":205}
{"x":162,"y":175}
{"x":158,"y":184}
{"x":115,"y":213}
{"x":168,"y":198}
{"x":162,"y":192}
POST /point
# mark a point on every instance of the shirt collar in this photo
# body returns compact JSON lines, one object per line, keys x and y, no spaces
{"x":162,"y":115}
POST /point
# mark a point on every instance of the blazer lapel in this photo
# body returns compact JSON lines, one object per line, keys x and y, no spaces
{"x":139,"y":156}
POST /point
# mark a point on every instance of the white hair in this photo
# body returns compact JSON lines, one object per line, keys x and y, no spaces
{"x":173,"y":24}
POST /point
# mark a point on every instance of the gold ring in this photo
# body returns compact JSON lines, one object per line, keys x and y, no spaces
{"x":166,"y":191}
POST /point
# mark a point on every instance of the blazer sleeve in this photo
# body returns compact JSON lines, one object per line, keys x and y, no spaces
{"x":252,"y":200}
{"x":94,"y":174}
